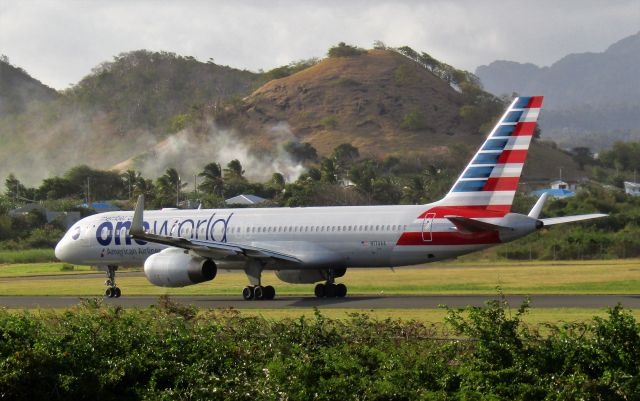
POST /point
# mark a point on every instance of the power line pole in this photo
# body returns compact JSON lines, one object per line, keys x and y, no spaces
{"x":195,"y":184}
{"x":88,"y":191}
{"x":178,"y":192}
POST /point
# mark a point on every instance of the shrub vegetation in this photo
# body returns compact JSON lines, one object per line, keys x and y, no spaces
{"x":175,"y":352}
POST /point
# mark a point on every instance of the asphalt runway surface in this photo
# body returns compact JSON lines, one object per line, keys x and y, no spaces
{"x":350,"y":302}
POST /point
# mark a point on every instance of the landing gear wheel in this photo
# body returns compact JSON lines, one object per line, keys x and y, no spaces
{"x":269,"y":292}
{"x":112,"y":291}
{"x":258,"y":293}
{"x":330,"y":291}
{"x":247,"y":293}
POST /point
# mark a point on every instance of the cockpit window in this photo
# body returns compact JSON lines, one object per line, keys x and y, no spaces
{"x":76,"y":233}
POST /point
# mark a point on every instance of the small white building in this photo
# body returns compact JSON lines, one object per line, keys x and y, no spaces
{"x":632,"y":188}
{"x":559,"y":184}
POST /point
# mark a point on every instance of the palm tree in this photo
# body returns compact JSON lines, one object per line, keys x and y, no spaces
{"x":170,"y":183}
{"x":234,"y":169}
{"x":213,"y":182}
{"x":129,"y":179}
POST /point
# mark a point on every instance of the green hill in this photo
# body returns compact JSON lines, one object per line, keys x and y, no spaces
{"x":18,"y":89}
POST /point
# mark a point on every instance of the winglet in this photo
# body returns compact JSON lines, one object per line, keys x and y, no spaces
{"x":136,"y":224}
{"x":537,"y":208}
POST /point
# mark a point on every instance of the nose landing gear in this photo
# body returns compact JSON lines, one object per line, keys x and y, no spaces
{"x":112,"y":290}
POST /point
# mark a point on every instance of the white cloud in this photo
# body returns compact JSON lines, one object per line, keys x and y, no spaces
{"x":59,"y":42}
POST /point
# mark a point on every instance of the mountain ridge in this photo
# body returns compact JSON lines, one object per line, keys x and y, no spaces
{"x":156,"y":110}
{"x":585,"y":93}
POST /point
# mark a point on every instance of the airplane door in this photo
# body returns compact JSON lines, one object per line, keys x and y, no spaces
{"x":427,"y":227}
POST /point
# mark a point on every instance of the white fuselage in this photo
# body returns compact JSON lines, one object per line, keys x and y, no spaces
{"x":323,"y":237}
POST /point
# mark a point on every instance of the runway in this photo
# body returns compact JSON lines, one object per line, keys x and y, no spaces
{"x":350,"y":302}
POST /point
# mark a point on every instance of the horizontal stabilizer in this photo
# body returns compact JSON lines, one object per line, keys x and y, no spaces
{"x":465,"y":224}
{"x":568,"y":219}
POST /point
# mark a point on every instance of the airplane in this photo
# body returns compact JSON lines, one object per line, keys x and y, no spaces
{"x":318,"y":244}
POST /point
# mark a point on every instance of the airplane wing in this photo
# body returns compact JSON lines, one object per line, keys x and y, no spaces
{"x":208,"y":249}
{"x":567,"y":219}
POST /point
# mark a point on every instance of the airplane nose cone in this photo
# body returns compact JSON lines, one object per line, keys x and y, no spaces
{"x":62,"y":251}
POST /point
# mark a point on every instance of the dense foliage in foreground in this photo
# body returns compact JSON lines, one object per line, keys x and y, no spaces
{"x":172,"y":352}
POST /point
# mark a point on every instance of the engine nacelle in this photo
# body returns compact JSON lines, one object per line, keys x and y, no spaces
{"x":172,"y":267}
{"x":307,"y":276}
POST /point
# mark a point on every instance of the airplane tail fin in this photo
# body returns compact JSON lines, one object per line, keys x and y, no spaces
{"x":490,"y":180}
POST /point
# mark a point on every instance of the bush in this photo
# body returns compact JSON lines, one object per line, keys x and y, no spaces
{"x":174,"y":351}
{"x":345,"y":50}
{"x":329,"y":122}
{"x":414,"y":121}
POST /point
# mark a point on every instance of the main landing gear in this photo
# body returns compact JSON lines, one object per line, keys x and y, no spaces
{"x":330,"y":289}
{"x":112,"y":289}
{"x":256,"y":290}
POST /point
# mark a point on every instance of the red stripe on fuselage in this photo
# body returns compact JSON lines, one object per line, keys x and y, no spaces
{"x":452,"y":238}
{"x":535,"y":102}
{"x":501,"y":184}
{"x":524,"y":129}
{"x":490,"y":211}
{"x":512,"y":156}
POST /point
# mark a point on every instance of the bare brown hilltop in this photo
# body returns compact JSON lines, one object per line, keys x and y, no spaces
{"x":383,"y":103}
{"x":363,"y":100}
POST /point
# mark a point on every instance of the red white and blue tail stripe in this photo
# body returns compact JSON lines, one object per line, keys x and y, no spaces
{"x":490,"y":180}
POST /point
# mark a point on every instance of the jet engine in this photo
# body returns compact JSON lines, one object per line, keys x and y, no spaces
{"x":174,"y":267}
{"x":308,"y":276}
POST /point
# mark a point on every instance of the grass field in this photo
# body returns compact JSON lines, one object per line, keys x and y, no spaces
{"x":27,"y":256}
{"x":40,"y":269}
{"x":592,"y":277}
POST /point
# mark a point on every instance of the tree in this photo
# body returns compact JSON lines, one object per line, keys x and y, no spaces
{"x":169,"y":186}
{"x":234,"y":170}
{"x":100,"y":184}
{"x":213,"y":182}
{"x":58,"y":188}
{"x":13,"y":187}
{"x":277,"y":181}
{"x":623,"y":156}
{"x":301,"y":152}
{"x":582,"y":155}
{"x":344,"y":155}
{"x":363,"y":176}
{"x":129,"y":179}
{"x":345,"y":50}
{"x":328,"y":170}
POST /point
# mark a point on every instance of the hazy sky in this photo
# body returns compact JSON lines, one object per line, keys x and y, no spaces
{"x":58,"y":42}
